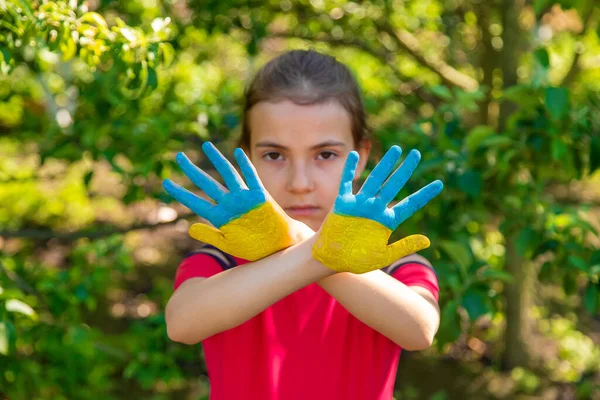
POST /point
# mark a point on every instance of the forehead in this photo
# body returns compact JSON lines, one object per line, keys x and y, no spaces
{"x":299,"y":126}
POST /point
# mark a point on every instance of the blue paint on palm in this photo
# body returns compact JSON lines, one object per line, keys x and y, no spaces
{"x":372,"y":199}
{"x":230,"y":204}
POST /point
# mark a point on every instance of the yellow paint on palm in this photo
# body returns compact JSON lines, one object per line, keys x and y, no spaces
{"x":359,"y":245}
{"x":256,"y":234}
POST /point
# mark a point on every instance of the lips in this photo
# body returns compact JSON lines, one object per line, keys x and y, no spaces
{"x":302,"y":210}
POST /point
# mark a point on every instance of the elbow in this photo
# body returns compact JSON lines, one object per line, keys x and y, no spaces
{"x":421,"y":342}
{"x":416,"y":345}
{"x":177,"y":329}
{"x":177,"y":334}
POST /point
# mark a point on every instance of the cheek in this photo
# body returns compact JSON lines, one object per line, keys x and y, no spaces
{"x":333,"y":170}
{"x":269,"y":176}
{"x":330,"y":175}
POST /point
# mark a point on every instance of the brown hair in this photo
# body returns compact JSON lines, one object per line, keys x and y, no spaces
{"x":306,"y":77}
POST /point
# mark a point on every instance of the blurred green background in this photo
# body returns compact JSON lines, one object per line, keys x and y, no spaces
{"x":502,"y":98}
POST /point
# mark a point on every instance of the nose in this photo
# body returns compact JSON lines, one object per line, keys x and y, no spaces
{"x":300,"y":179}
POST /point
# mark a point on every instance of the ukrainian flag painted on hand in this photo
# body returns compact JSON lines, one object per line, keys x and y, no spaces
{"x":354,"y":237}
{"x":247,"y":222}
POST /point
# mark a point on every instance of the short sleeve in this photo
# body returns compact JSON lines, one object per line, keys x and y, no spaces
{"x":197,"y":265}
{"x":416,"y":274}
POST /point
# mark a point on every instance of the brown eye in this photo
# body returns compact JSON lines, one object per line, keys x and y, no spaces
{"x":272,"y":156}
{"x":327,"y":155}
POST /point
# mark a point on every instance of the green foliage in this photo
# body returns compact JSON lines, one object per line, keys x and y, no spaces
{"x":94,"y":104}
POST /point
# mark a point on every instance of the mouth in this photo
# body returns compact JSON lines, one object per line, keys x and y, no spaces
{"x":302,"y":210}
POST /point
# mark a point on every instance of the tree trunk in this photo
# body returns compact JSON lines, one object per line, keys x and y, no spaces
{"x":512,"y":37}
{"x":489,"y":59}
{"x":518,"y":294}
{"x":519,"y":347}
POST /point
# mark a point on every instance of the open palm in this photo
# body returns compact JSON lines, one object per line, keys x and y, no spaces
{"x":355,"y":234}
{"x":247,"y":222}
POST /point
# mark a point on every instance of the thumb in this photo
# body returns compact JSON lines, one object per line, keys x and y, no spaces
{"x":207,"y":234}
{"x":409,"y":245}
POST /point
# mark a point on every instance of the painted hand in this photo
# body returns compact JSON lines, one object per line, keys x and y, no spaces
{"x":248,"y":223}
{"x":354,"y":237}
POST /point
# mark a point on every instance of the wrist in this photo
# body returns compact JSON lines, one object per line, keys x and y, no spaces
{"x":317,"y":269}
{"x":299,"y":231}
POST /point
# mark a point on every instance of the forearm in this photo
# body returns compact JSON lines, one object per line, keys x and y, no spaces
{"x":402,"y":315}
{"x":200,"y":309}
{"x":386,"y":305}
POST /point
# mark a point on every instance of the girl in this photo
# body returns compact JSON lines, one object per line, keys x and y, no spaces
{"x":300,"y":296}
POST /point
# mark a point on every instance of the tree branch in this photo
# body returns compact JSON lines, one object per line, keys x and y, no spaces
{"x":21,"y":283}
{"x":575,"y":68}
{"x":27,"y":288}
{"x":411,"y":45}
{"x":90,"y":234}
{"x":413,"y":86}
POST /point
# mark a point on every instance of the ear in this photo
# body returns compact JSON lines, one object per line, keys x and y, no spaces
{"x":364,"y":149}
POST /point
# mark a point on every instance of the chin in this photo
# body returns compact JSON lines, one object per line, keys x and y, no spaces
{"x":312,"y":223}
{"x":315,"y":225}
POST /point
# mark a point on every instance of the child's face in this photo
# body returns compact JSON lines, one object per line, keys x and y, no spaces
{"x":300,"y":152}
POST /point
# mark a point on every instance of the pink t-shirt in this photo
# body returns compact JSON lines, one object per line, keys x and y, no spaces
{"x":305,"y":346}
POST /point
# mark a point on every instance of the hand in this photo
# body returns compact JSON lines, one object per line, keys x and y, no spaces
{"x":248,"y":223}
{"x":355,"y":233}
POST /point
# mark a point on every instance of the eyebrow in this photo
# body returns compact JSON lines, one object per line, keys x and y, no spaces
{"x":329,"y":143}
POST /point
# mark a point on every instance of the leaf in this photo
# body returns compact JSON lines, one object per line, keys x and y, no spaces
{"x":539,"y":6}
{"x":595,"y":258}
{"x":167,"y":52}
{"x":87,"y":178}
{"x":476,"y":303}
{"x":557,"y":101}
{"x":3,"y":339}
{"x":95,"y":18}
{"x":578,"y":263}
{"x":430,"y":165}
{"x":449,"y":324}
{"x":527,"y":239}
{"x":131,"y":369}
{"x":524,"y":95}
{"x":81,"y":292}
{"x":569,"y":284}
{"x":17,"y":306}
{"x":459,"y":252}
{"x":470,"y":182}
{"x":476,"y":135}
{"x":542,"y":57}
{"x":594,"y":153}
{"x":496,"y":141}
{"x":547,"y":245}
{"x":152,"y":79}
{"x":590,"y":298}
{"x":7,"y":337}
{"x":494,"y":274}
{"x":559,"y":149}
{"x":128,"y":34}
{"x":442,"y":92}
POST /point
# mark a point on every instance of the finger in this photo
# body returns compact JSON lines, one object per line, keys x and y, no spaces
{"x":399,"y":178}
{"x":406,"y":246}
{"x":381,"y":171}
{"x":211,"y":187}
{"x":248,"y":170}
{"x":208,"y":234}
{"x":199,"y":206}
{"x":407,"y":207}
{"x":232,"y":179}
{"x":348,"y":173}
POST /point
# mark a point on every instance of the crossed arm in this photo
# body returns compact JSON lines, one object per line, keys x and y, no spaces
{"x":202,"y":307}
{"x":407,"y":315}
